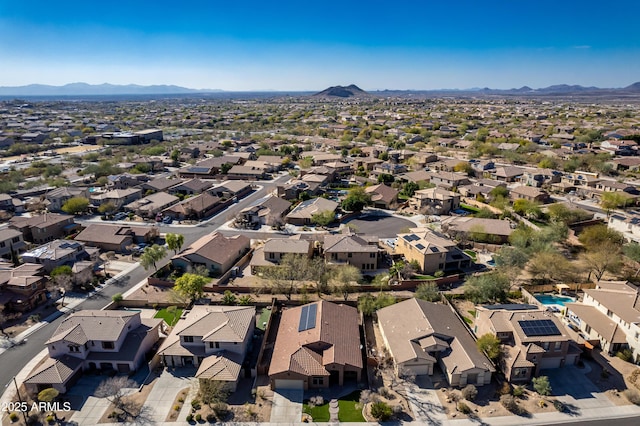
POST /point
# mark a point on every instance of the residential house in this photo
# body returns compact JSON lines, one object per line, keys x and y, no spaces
{"x":529,"y":193}
{"x":628,"y":225}
{"x":619,"y":147}
{"x":436,"y":200}
{"x":43,"y":228}
{"x":195,"y":208}
{"x":215,"y":339}
{"x":23,"y":287}
{"x":151,"y":205}
{"x":10,"y":204}
{"x":117,"y":197}
{"x":189,"y":187}
{"x":215,"y":251}
{"x":209,"y":168}
{"x":360,"y":251}
{"x":275,"y":249}
{"x":303,"y":213}
{"x":432,"y":252}
{"x":56,"y":198}
{"x":463,"y":228}
{"x":540,"y":177}
{"x":609,"y":316}
{"x":269,"y":211}
{"x":292,"y":189}
{"x":420,"y":335}
{"x":116,"y":238}
{"x":159,"y":184}
{"x":11,"y":239}
{"x":578,"y":180}
{"x":532,"y":339}
{"x":507,"y":173}
{"x":317,"y":345}
{"x":382,"y":196}
{"x":58,"y":253}
{"x":94,"y":340}
{"x":447,"y":180}
{"x":389,"y":168}
{"x":232,"y":189}
{"x":125,"y":180}
{"x":246,"y":172}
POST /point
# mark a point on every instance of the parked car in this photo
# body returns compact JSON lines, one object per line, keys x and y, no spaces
{"x":120,"y":216}
{"x":167,"y":219}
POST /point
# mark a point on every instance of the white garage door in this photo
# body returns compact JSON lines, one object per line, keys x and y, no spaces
{"x":550,"y":363}
{"x":289,"y":384}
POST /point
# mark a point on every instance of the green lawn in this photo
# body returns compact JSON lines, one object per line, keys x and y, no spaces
{"x":469,"y":208}
{"x":423,"y":277}
{"x":170,"y":318}
{"x":264,"y":318}
{"x":348,"y":410}
{"x":472,"y":254}
{"x":319,"y":413}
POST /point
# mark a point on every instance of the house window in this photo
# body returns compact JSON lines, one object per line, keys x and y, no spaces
{"x":545,"y":346}
{"x":74,"y":348}
{"x":520,"y":372}
{"x":349,"y":254}
{"x":557,"y":346}
{"x":272,"y":255}
{"x":108,"y":345}
{"x":2,"y":244}
{"x":16,"y":239}
{"x":188,"y":339}
{"x":609,"y":313}
{"x":587,"y":328}
{"x":372,"y":255}
{"x":318,"y":381}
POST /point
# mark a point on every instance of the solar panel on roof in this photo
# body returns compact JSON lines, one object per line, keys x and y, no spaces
{"x":419,"y":246}
{"x":534,"y":328}
{"x":433,"y":249}
{"x":198,"y":169}
{"x":308,"y":317}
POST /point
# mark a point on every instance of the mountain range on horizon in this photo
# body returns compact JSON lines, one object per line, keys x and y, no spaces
{"x":85,"y":89}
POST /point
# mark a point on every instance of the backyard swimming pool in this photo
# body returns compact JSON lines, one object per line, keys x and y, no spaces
{"x":552,"y":299}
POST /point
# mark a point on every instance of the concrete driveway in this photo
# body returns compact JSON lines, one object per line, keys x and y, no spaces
{"x":165,"y":390}
{"x":287,"y":406}
{"x":570,"y":385}
{"x":424,"y":402}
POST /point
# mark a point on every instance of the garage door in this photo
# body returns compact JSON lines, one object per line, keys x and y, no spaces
{"x":289,"y":384}
{"x":550,"y":363}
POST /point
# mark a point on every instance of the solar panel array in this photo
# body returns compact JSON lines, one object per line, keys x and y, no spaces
{"x":411,"y":237}
{"x":534,"y":328}
{"x":419,"y":246}
{"x":308,"y":317}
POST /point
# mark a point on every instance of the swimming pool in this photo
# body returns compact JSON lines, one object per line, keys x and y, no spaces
{"x":552,"y":299}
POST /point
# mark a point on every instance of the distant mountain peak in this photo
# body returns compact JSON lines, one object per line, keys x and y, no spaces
{"x":81,"y":88}
{"x":342,"y":92}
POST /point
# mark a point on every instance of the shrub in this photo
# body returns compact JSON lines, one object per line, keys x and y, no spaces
{"x":195,"y":404}
{"x":470,"y":392}
{"x":13,"y":417}
{"x":176,"y":407}
{"x":381,"y":411}
{"x":211,"y":418}
{"x":189,"y":418}
{"x":505,"y":388}
{"x":509,"y":402}
{"x":625,"y":355}
{"x":198,"y":417}
{"x":50,"y":419}
{"x":315,"y":401}
{"x":558,"y":405}
{"x":518,"y":391}
{"x":542,"y":403}
{"x":463,"y":408}
{"x":633,"y":396}
{"x":541,"y":385}
{"x":386,"y":393}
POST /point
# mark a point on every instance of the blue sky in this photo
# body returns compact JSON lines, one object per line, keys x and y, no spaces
{"x":294,"y":45}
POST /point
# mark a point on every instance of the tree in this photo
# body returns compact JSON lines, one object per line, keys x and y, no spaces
{"x":174,"y":242}
{"x":612,"y":200}
{"x":530,"y":209}
{"x":228,"y":298}
{"x":601,"y":259}
{"x":499,"y":191}
{"x":117,"y":298}
{"x":48,"y":395}
{"x":245,"y":300}
{"x":409,"y":189}
{"x":539,"y":266}
{"x":562,"y":214}
{"x":343,"y":277}
{"x":3,"y":319}
{"x":489,"y":287}
{"x":212,"y":392}
{"x":489,"y":345}
{"x":381,"y":411}
{"x":76,"y":205}
{"x":115,"y":389}
{"x":368,"y":304}
{"x":190,"y":286}
{"x":632,"y":251}
{"x":152,"y":255}
{"x":323,"y":218}
{"x":62,"y":279}
{"x":225,"y":167}
{"x":594,"y":236}
{"x":356,"y":200}
{"x":428,"y":292}
{"x":175,"y":157}
{"x":289,"y":275}
{"x":541,"y":385}
{"x":463,"y":167}
{"x":107,"y":208}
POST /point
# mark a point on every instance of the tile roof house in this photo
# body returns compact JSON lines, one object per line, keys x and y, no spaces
{"x":151,"y":205}
{"x":421,"y":334}
{"x":215,"y":251}
{"x":303,"y":212}
{"x":436,"y":200}
{"x":117,"y":197}
{"x":94,"y":340}
{"x":532,"y":339}
{"x":213,"y":338}
{"x":59,"y":252}
{"x":609,"y":316}
{"x":382,"y":196}
{"x":43,"y":228}
{"x":489,"y":230}
{"x":432,"y":252}
{"x":22,"y":287}
{"x":116,"y":237}
{"x":275,"y":249}
{"x":57,"y":197}
{"x":360,"y":251}
{"x":530,"y":193}
{"x":11,"y":239}
{"x":197,"y":207}
{"x":317,"y":345}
